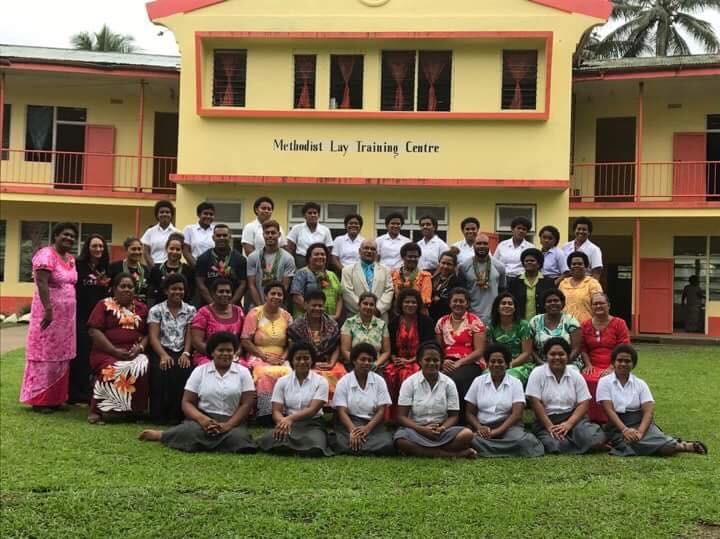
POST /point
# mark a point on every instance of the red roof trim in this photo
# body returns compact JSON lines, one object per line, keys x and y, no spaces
{"x":165,"y":8}
{"x":600,"y":9}
{"x":650,"y":73}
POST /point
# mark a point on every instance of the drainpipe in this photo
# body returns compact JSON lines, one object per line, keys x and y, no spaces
{"x":636,"y":279}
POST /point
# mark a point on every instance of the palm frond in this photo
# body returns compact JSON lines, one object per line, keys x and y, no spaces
{"x":82,"y":41}
{"x":695,"y":6}
{"x":677,"y":44}
{"x":700,"y":30}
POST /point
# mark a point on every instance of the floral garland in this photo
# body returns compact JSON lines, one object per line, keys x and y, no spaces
{"x":127,"y":319}
{"x":482,"y":275}
{"x":222,"y":268}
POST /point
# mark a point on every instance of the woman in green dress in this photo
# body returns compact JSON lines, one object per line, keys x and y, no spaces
{"x":509,"y":329}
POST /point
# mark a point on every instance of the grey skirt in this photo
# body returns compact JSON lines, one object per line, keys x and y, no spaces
{"x":581,"y":438}
{"x":653,"y":441}
{"x":307,"y":438}
{"x":379,"y":440}
{"x":515,"y":442}
{"x":190,"y":436}
{"x":411,"y":435}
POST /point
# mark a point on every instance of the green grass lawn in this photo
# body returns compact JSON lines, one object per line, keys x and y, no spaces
{"x":60,"y":477}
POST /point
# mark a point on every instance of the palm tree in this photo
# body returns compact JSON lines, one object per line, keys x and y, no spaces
{"x":654,"y":26}
{"x":104,"y":41}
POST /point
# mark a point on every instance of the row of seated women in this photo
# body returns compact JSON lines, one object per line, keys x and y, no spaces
{"x":218,"y":402}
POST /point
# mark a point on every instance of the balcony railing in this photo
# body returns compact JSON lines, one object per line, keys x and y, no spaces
{"x":679,"y":183}
{"x":67,"y":171}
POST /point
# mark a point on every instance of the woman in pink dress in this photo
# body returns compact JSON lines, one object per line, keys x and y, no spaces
{"x":51,"y":336}
{"x":600,"y":335}
{"x":220,"y":315}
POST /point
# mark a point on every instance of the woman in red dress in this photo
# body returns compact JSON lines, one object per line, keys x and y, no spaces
{"x":600,"y":335}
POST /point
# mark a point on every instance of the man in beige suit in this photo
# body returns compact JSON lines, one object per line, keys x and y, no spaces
{"x":367,"y":275}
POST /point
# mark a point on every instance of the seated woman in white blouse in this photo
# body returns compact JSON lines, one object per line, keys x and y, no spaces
{"x":428,"y":409}
{"x":629,"y":406}
{"x":297,"y":408}
{"x":560,"y":398}
{"x":217,"y":401}
{"x":494,"y":408}
{"x":361,"y":398}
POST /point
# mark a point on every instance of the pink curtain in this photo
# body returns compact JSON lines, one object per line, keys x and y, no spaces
{"x":346,"y":64}
{"x":518,"y":65}
{"x":398,"y":69}
{"x":228,"y":98}
{"x":433,"y":64}
{"x":304,"y":70}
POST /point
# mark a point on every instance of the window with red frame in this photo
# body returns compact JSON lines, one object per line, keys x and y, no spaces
{"x":434,"y":69}
{"x":397,"y":92}
{"x":346,"y":81}
{"x":229,"y":77}
{"x":519,"y":80}
{"x":304,"y":91}
{"x":434,"y":75}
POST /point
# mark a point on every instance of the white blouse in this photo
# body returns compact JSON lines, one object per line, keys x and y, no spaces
{"x":494,"y":403}
{"x":362,"y":403}
{"x":295,"y":396}
{"x":625,"y":398}
{"x":429,"y":405}
{"x":219,"y":394}
{"x":558,"y":397}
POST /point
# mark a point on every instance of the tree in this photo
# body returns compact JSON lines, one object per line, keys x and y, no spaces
{"x":654,"y":27}
{"x":104,"y":41}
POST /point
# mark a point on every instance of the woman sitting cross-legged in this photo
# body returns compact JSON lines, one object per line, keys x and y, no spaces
{"x":629,"y":406}
{"x":560,"y":399}
{"x":428,"y":408}
{"x":297,"y":408}
{"x":217,"y":401}
{"x":361,"y":398}
{"x":494,"y":409}
{"x":318,"y":329}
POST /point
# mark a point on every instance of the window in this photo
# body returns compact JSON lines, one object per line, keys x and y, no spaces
{"x":332,"y":215}
{"x":519,"y":79}
{"x":346,"y":81}
{"x":230,"y":214}
{"x":505,"y":213}
{"x":304,"y":92}
{"x":398,"y":80}
{"x":39,"y":133}
{"x":36,"y":234}
{"x":695,"y":256}
{"x":3,"y":228}
{"x":412,"y":214}
{"x":5,"y":140}
{"x":229,"y":70}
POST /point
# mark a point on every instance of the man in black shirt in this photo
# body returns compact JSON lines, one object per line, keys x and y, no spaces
{"x":221,"y":261}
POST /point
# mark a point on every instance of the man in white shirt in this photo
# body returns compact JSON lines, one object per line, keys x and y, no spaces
{"x":252,"y":234}
{"x":389,"y":245}
{"x":155,"y":238}
{"x":431,"y":246}
{"x":199,"y":236}
{"x":470,"y":227}
{"x":346,"y":248}
{"x":305,"y":234}
{"x":367,"y":275}
{"x":582,"y":229}
{"x":508,"y":251}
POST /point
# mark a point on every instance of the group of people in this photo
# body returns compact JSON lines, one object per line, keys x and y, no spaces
{"x":445,"y":343}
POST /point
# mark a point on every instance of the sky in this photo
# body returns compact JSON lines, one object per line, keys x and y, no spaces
{"x":21,"y":25}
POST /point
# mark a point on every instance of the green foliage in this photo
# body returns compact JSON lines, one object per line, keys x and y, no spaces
{"x":60,"y":477}
{"x":103,"y":41}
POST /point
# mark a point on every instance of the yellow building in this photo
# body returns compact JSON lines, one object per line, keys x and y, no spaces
{"x":373,"y":106}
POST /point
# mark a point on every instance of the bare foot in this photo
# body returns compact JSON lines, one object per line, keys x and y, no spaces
{"x":469,"y":454}
{"x":150,"y":435}
{"x":95,"y":419}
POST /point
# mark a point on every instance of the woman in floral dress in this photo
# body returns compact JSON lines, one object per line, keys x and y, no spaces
{"x":117,"y":327}
{"x":51,"y":336}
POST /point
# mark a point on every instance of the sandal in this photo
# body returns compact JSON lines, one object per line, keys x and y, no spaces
{"x":699,"y":448}
{"x":95,"y":419}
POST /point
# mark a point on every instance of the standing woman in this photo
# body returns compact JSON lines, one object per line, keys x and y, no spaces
{"x":264,"y":339}
{"x":317,"y":276}
{"x":170,"y":342}
{"x":51,"y":335}
{"x":579,"y":287}
{"x":559,"y":397}
{"x":155,"y":238}
{"x":600,"y":335}
{"x":360,"y":401}
{"x":173,"y":264}
{"x":554,"y":263}
{"x":133,"y":265}
{"x":554,"y":323}
{"x":117,"y":327}
{"x":630,"y":406}
{"x":92,"y":285}
{"x":220,"y":315}
{"x":428,"y":409}
{"x":365,"y":327}
{"x":494,"y":409}
{"x":510,"y":329}
{"x":444,"y":280}
{"x":297,"y":408}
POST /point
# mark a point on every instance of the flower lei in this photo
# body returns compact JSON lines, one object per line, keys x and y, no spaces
{"x":138,"y":276}
{"x":482,"y":275}
{"x":322,"y":279}
{"x":221,"y":267}
{"x":127,"y":319}
{"x":269,"y":271}
{"x":408,"y":282}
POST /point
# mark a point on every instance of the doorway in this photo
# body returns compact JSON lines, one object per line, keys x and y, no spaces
{"x":712,"y":176}
{"x":617,"y":274}
{"x":615,"y":158}
{"x":70,"y":147}
{"x":165,"y":147}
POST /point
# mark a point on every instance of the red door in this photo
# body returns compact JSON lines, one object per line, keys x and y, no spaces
{"x":656,"y":295}
{"x":99,"y":161}
{"x":689,"y":156}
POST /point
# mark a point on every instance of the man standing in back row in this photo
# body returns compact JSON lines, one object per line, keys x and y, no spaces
{"x":582,"y":229}
{"x":269,"y":264}
{"x":221,"y":261}
{"x":484,"y":277}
